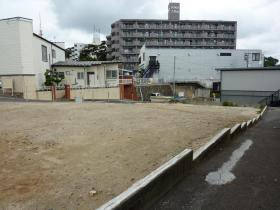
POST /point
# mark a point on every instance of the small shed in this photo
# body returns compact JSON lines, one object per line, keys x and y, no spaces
{"x":248,"y":86}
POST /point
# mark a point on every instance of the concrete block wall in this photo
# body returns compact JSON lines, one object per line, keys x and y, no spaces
{"x":142,"y":193}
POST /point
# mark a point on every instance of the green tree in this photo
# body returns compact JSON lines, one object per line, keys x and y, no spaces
{"x":94,"y":52}
{"x":68,"y":53}
{"x":52,"y":77}
{"x":270,"y":61}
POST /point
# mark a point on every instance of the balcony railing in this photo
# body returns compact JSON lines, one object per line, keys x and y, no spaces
{"x":129,"y":52}
{"x":175,"y":27}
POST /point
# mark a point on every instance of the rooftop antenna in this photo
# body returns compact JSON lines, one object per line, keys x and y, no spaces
{"x":40,"y":25}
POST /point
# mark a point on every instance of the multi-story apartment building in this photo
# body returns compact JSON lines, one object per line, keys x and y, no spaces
{"x":129,"y":35}
{"x":75,"y":51}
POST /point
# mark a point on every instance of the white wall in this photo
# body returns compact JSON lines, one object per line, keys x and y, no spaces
{"x":71,"y":78}
{"x":20,"y":50}
{"x":197,"y":64}
{"x":15,"y":46}
{"x":262,"y":80}
{"x":41,"y":66}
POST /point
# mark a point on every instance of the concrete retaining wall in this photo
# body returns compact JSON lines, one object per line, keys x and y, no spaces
{"x":96,"y":93}
{"x":86,"y":94}
{"x":139,"y":195}
{"x":142,"y":193}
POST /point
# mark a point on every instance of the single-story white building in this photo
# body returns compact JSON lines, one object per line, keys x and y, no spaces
{"x":248,"y":85}
{"x":25,"y":56}
{"x":194,"y":64}
{"x":83,"y":74}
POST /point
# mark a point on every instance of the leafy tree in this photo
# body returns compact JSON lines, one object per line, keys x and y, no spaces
{"x":94,"y":52}
{"x":270,"y":61}
{"x":52,"y":77}
{"x":68,"y":53}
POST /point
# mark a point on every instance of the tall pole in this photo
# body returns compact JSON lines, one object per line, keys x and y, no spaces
{"x":174,"y":90}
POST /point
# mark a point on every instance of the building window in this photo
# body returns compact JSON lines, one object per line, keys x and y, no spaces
{"x":111,"y":74}
{"x":44,"y":53}
{"x":225,"y":54}
{"x":61,"y":75}
{"x":256,"y":56}
{"x":80,"y":75}
{"x":53,"y":53}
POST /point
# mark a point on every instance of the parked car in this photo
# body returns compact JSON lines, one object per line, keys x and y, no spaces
{"x":155,"y":94}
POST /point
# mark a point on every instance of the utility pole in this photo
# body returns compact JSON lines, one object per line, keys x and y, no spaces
{"x":174,"y":90}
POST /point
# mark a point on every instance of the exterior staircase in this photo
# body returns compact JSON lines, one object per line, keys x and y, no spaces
{"x":151,"y":69}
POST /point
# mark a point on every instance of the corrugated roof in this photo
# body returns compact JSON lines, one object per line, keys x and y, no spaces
{"x":82,"y":63}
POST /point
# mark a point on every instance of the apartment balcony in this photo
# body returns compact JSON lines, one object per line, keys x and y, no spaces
{"x":129,"y":52}
{"x":128,"y":26}
{"x":127,"y":35}
{"x":115,"y":38}
{"x":116,"y":46}
{"x":132,"y":44}
{"x":115,"y":29}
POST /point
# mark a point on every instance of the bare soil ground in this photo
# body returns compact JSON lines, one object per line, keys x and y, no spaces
{"x":53,"y":154}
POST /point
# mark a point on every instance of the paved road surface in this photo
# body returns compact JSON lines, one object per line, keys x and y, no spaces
{"x":249,"y":168}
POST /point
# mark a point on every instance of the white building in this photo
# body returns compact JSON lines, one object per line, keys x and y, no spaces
{"x":75,"y":51}
{"x":194,"y":64}
{"x":24,"y":55}
{"x":89,"y":74}
{"x":249,"y":85}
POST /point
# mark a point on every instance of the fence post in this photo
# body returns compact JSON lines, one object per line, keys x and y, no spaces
{"x":53,"y":89}
{"x":67,"y":92}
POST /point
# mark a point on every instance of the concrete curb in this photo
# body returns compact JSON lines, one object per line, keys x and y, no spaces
{"x":153,"y":185}
{"x":244,"y":126}
{"x":263,"y":111}
{"x":249,"y":123}
{"x":202,"y":151}
{"x":140,"y":194}
{"x":235,"y":130}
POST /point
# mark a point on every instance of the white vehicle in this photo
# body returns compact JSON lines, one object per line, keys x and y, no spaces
{"x":155,"y":94}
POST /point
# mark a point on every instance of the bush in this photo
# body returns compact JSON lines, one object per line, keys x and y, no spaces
{"x":228,"y":103}
{"x":174,"y":100}
{"x":261,"y":107}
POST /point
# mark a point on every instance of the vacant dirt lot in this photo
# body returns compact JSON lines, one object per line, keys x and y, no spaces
{"x":52,"y":155}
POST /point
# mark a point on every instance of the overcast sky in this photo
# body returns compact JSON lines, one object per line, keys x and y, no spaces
{"x":74,"y":20}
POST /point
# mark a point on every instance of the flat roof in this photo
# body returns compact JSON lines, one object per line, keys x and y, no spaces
{"x":16,"y":18}
{"x":274,"y":68}
{"x":71,"y":63}
{"x":166,"y":20}
{"x":193,"y":49}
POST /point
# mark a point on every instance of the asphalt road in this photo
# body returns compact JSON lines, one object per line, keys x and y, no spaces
{"x":252,"y":164}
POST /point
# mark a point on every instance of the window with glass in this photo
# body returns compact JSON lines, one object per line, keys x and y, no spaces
{"x":80,"y":75}
{"x":111,"y":74}
{"x":256,"y":56}
{"x":53,"y":53}
{"x":44,"y":53}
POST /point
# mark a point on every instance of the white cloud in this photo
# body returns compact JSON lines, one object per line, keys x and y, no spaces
{"x":73,"y":21}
